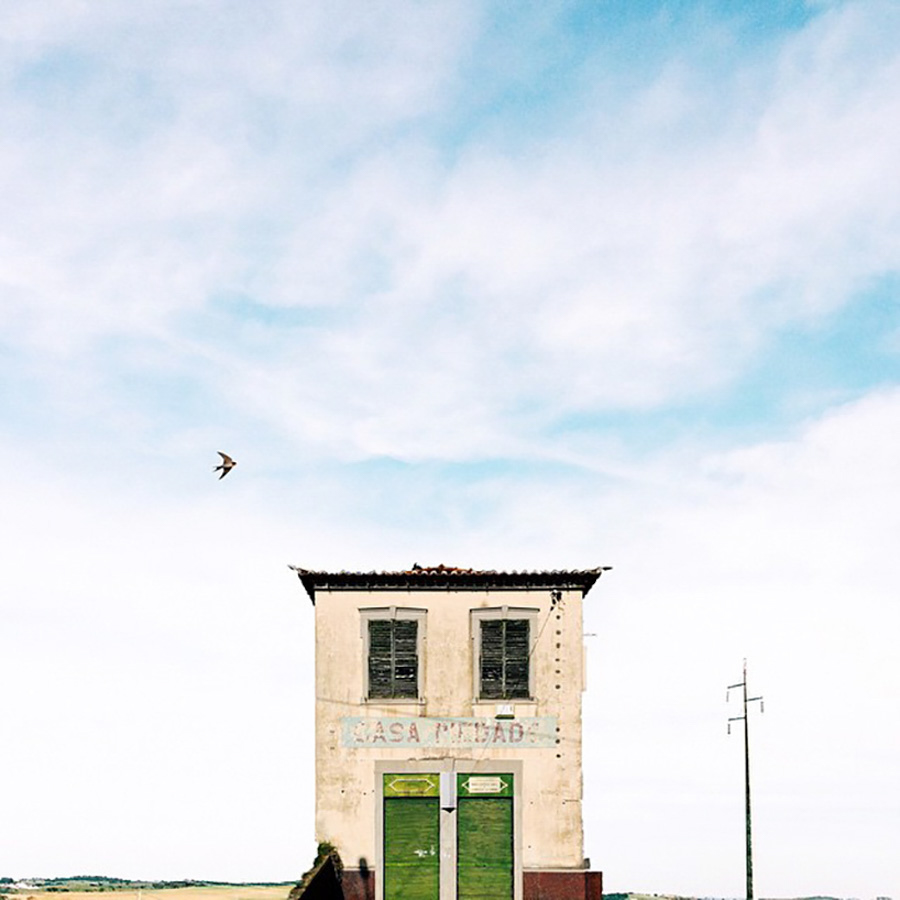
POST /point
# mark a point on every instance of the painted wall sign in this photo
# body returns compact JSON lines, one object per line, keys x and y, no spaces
{"x":422,"y":731}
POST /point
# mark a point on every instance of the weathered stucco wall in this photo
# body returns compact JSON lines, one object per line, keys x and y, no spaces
{"x":551,"y":781}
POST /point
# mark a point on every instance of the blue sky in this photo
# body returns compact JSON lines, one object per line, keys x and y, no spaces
{"x":503,"y":285}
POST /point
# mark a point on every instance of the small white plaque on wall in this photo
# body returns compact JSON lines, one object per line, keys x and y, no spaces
{"x":485,"y":784}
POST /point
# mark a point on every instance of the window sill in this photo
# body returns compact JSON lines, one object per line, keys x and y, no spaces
{"x":518,"y":706}
{"x":393,"y":701}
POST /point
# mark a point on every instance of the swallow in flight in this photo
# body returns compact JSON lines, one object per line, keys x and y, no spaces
{"x":227,"y":464}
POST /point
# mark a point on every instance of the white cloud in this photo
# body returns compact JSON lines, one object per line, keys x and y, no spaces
{"x":149,"y":143}
{"x":624,"y":280}
{"x":463,"y":293}
{"x":560,"y":277}
{"x":782,"y":553}
{"x":600,"y":283}
{"x":126,"y":630}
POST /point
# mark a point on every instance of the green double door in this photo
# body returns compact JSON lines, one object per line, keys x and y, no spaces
{"x":483,"y":824}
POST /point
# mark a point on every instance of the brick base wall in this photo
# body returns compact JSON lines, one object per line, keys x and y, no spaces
{"x":578,"y":885}
{"x":573,"y":885}
{"x":358,"y":885}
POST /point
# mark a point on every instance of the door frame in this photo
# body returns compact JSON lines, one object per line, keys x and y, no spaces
{"x":447,"y":820}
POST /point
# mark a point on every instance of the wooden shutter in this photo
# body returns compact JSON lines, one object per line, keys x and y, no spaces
{"x":505,"y":657}
{"x":411,"y":848}
{"x":380,"y":658}
{"x":492,"y":658}
{"x":393,"y":658}
{"x":516,"y":634}
{"x":485,"y":841}
{"x":406,"y":658}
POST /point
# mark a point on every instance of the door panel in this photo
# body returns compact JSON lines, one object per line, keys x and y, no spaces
{"x":485,"y":843}
{"x":411,"y":848}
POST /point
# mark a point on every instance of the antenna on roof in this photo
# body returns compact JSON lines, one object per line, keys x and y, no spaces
{"x":746,"y":699}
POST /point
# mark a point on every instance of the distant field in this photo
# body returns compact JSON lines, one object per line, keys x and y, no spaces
{"x":211,"y":892}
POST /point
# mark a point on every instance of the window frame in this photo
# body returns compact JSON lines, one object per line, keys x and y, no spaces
{"x":491,"y":614}
{"x":393,"y":613}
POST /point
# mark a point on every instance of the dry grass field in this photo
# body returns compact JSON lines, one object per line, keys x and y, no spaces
{"x":204,"y":892}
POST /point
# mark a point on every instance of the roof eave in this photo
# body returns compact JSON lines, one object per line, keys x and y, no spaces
{"x":461,"y":580}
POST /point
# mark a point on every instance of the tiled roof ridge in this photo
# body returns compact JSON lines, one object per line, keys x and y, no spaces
{"x":441,"y":569}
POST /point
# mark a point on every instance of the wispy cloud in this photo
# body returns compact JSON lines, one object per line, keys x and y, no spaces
{"x":559,"y":271}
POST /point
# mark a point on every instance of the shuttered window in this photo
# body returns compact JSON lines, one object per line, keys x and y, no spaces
{"x":504,"y":658}
{"x":393,"y":658}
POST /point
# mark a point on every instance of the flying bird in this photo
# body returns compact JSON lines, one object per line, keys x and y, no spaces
{"x":227,"y":464}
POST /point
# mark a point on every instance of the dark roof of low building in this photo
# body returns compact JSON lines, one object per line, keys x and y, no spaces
{"x":436,"y":578}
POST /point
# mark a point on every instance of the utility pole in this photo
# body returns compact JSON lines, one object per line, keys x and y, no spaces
{"x":743,"y":686}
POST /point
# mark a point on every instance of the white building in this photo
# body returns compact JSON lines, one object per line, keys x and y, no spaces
{"x":448,"y":732}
